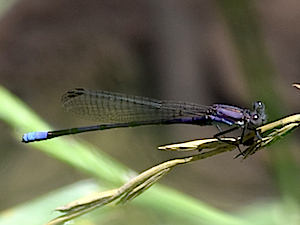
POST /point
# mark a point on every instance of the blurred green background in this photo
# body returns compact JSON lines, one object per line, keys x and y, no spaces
{"x":206,"y":52}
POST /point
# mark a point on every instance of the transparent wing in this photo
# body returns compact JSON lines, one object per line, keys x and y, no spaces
{"x":113,"y":107}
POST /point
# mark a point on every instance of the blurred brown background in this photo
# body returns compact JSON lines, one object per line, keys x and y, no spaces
{"x":175,"y":50}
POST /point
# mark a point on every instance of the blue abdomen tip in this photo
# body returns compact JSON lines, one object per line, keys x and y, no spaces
{"x":34,"y":136}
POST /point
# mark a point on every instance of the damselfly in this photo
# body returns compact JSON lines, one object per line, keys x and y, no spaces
{"x":120,"y":110}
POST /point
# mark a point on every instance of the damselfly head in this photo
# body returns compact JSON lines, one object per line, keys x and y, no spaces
{"x":258,"y":116}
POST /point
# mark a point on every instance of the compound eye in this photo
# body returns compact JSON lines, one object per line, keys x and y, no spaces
{"x":255,"y":117}
{"x":258,"y":105}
